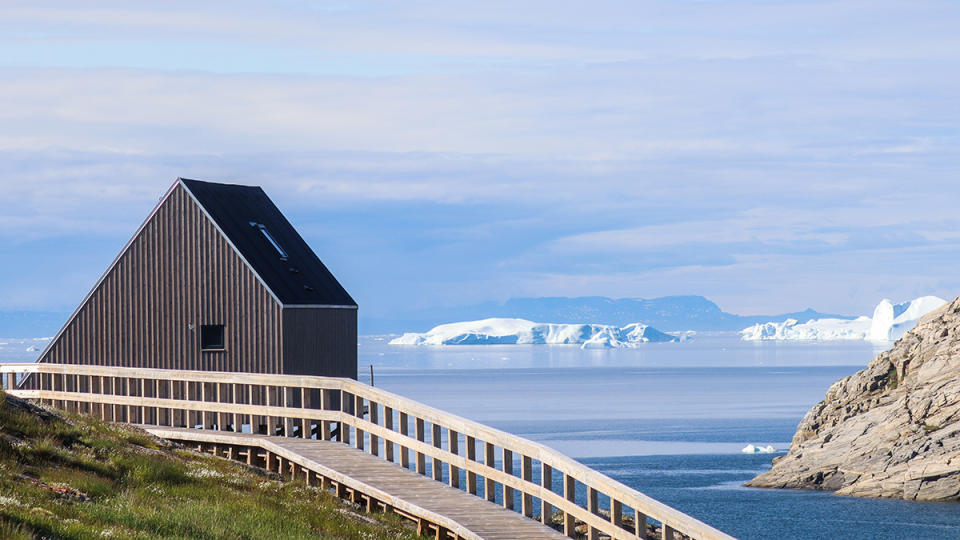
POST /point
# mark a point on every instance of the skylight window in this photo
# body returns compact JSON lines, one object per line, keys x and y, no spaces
{"x":269,"y":237}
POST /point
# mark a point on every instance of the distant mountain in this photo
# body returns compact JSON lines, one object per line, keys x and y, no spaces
{"x":668,"y":313}
{"x":27,"y":324}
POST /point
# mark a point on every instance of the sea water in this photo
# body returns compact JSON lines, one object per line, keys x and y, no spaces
{"x":668,"y":419}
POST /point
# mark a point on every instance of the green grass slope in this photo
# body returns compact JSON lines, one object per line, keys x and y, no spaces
{"x":73,"y":477}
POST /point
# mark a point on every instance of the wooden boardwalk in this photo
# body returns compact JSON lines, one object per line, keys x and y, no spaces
{"x":375,"y":429}
{"x":462,"y":514}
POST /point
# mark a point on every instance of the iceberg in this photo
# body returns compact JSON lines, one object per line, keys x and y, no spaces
{"x":503,"y":331}
{"x":889,"y":323}
{"x":751,"y":449}
{"x":814,"y":329}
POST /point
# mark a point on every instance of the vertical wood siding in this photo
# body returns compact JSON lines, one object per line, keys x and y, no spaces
{"x":320,"y":341}
{"x":178,"y":271}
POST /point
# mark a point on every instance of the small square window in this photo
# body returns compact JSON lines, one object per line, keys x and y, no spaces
{"x":211,"y":337}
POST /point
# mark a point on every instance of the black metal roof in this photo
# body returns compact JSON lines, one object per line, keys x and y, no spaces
{"x":254,"y":225}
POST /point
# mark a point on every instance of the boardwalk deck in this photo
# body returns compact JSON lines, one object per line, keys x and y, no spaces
{"x":390,"y":483}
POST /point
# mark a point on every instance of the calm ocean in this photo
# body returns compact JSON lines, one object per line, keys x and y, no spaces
{"x":667,"y":419}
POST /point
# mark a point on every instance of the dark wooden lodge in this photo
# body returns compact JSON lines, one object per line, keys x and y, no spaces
{"x":215,"y":279}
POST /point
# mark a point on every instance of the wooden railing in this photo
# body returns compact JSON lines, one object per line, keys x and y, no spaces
{"x":512,"y":471}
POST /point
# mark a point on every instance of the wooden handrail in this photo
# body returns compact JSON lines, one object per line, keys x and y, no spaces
{"x":345,"y":402}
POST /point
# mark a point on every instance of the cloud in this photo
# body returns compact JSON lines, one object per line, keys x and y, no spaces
{"x":734,"y":149}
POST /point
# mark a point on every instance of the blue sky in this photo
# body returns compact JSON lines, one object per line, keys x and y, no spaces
{"x":769,"y":155}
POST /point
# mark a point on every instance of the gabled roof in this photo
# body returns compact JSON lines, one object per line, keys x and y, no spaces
{"x":269,"y":244}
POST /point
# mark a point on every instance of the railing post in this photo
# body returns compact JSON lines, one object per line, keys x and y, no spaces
{"x":128,"y":390}
{"x":616,"y":512}
{"x":307,"y":428}
{"x":221,"y":416}
{"x":358,"y":412}
{"x":172,"y":413}
{"x":526,"y":468}
{"x":271,"y":394}
{"x":374,"y":419}
{"x":169,"y":411}
{"x":472,"y":456}
{"x":54,"y":386}
{"x":345,"y":409}
{"x":287,"y":415}
{"x":203,"y":398}
{"x":183,"y":392}
{"x":594,"y":507}
{"x":640,"y":523}
{"x":508,"y":469}
{"x":453,"y":445}
{"x":157,"y":385}
{"x":229,"y":396}
{"x":76,"y":390}
{"x":437,"y":464}
{"x":101,"y":407}
{"x":421,"y":461}
{"x":569,"y":493}
{"x":101,"y":389}
{"x":251,"y":400}
{"x":546,"y":480}
{"x":489,"y":485}
{"x":326,"y":403}
{"x":667,"y":532}
{"x":405,"y":431}
{"x":388,"y":423}
{"x":117,"y":391}
{"x":143,"y":393}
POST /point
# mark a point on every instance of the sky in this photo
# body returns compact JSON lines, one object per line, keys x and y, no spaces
{"x":770,"y":155}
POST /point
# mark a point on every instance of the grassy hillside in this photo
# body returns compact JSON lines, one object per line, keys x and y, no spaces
{"x":69,"y":476}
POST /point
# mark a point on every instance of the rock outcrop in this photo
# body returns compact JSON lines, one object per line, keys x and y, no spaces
{"x":890,"y":430}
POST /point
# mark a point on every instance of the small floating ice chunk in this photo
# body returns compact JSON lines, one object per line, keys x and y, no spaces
{"x":751,"y":449}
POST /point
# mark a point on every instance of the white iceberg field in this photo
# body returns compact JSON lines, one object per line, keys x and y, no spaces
{"x":889,"y":323}
{"x":501,"y":331}
{"x":751,"y":449}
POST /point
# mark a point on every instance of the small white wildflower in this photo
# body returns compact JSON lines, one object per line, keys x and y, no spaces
{"x":205,"y":473}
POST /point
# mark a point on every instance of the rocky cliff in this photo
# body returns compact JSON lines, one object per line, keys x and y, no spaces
{"x":890,"y":430}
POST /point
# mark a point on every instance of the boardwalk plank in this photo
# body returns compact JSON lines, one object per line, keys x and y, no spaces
{"x":483,"y":518}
